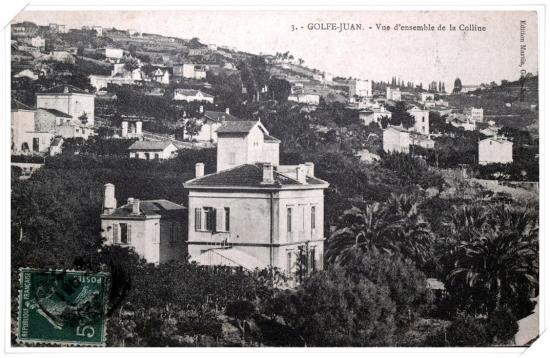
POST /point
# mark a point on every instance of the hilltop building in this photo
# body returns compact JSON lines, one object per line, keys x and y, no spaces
{"x":393,"y":94}
{"x":154,"y":228}
{"x":284,"y":203}
{"x":396,"y":140}
{"x":495,"y":150}
{"x":360,"y":88}
{"x":189,"y":70}
{"x":421,"y":120}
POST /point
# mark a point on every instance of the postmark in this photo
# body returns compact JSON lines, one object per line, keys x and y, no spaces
{"x":62,"y":307}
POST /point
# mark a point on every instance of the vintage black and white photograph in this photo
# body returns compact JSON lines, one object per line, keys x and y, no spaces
{"x":274,"y":178}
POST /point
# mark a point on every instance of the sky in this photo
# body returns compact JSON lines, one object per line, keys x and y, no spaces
{"x":473,"y":56}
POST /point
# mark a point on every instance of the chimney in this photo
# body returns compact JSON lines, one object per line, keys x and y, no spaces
{"x":130,"y":201}
{"x":135,"y":207}
{"x":109,"y":201}
{"x":310,"y":169}
{"x":267,"y":173}
{"x":227,"y":110}
{"x":124,"y":129}
{"x":301,"y":174}
{"x":199,"y":170}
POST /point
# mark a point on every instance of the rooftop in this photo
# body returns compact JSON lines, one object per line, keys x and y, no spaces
{"x":149,"y":207}
{"x":235,"y":127}
{"x":150,"y":145}
{"x":56,"y":112}
{"x":64,"y":89}
{"x":248,"y":175}
{"x":19,"y":106}
{"x":191,"y":92}
{"x":219,"y":116}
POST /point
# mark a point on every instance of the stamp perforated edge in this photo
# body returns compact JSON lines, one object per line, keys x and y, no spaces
{"x":60,"y":344}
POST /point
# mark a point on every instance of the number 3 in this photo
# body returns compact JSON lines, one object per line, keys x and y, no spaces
{"x":81,"y":331}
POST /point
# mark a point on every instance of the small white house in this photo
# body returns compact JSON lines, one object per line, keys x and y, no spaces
{"x":150,"y":150}
{"x":113,"y":53}
{"x":393,"y":94}
{"x":191,"y":95}
{"x":396,"y":139}
{"x":421,"y":120}
{"x":307,"y":98}
{"x":495,"y":150}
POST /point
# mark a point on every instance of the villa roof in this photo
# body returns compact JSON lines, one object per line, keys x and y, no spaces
{"x":192,"y":92}
{"x":56,"y":112}
{"x":236,"y":127}
{"x":248,"y":175}
{"x":20,"y":106}
{"x":219,"y":116}
{"x":62,"y":89}
{"x":150,"y":145}
{"x":268,"y":138}
{"x":149,"y":207}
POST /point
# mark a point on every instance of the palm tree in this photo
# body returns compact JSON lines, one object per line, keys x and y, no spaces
{"x":499,"y":259}
{"x":394,"y":226}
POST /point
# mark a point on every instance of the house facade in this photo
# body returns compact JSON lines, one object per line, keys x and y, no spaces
{"x":360,"y":88}
{"x":154,"y":228}
{"x":209,"y":122}
{"x":393,"y":94}
{"x":307,"y":98}
{"x":396,"y":140}
{"x":151,"y":150}
{"x":374,"y":115}
{"x":189,"y":70}
{"x":495,"y":150}
{"x":285,"y":203}
{"x":69,"y":99}
{"x":421,"y":120}
{"x":24,"y":137}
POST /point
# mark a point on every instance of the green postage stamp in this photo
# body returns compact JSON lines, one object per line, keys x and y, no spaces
{"x":62,"y":307}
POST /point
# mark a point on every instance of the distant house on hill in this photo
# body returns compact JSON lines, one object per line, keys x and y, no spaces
{"x":150,"y":150}
{"x":191,"y":95}
{"x":210,"y":122}
{"x":421,"y":119}
{"x":306,"y":97}
{"x":189,"y":70}
{"x":396,"y":140}
{"x":495,"y":150}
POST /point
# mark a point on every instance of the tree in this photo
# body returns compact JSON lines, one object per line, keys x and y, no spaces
{"x":396,"y":227}
{"x":495,"y":259}
{"x":130,"y":63}
{"x":406,"y":284}
{"x":279,"y":89}
{"x":192,"y":128}
{"x":400,"y":116}
{"x":329,"y":309}
{"x":457,"y":86}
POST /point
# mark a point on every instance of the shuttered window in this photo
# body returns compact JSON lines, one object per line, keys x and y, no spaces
{"x":313,"y":217}
{"x":198,"y":219}
{"x":115,"y":234}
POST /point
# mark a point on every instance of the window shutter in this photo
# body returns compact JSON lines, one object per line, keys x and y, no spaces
{"x":220,"y":219}
{"x":198,"y":219}
{"x":129,"y":234}
{"x":115,"y":233}
{"x":212,"y":213}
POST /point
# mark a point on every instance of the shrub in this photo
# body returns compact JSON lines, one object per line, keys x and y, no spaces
{"x":467,"y":332}
{"x":501,"y":326}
